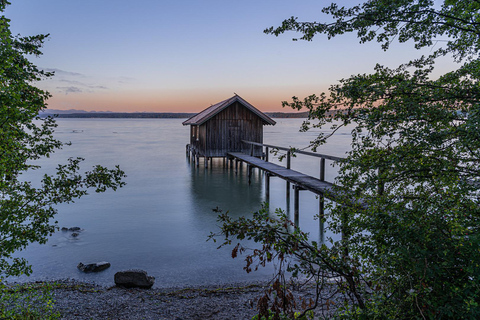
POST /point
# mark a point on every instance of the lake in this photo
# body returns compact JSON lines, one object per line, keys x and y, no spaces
{"x":160,"y":220}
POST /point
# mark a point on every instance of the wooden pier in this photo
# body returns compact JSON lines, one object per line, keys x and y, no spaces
{"x":298,"y":180}
{"x":295,"y":180}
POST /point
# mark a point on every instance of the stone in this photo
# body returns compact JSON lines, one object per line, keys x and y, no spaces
{"x":93,"y":267}
{"x":75,"y":234}
{"x":64,"y":229}
{"x":74,"y":229}
{"x":134,"y":279}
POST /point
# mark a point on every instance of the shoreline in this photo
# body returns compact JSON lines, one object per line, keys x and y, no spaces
{"x":83,"y":300}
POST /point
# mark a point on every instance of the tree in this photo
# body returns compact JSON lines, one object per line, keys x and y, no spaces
{"x":27,"y":210}
{"x":413,"y":249}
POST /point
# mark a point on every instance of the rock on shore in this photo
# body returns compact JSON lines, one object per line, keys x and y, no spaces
{"x":93,"y":267}
{"x":134,"y":279}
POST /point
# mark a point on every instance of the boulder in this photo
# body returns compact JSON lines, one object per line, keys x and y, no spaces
{"x":73,"y":229}
{"x":134,"y":279}
{"x":93,"y":267}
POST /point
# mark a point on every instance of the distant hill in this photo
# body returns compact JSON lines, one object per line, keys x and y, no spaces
{"x":120,"y":115}
{"x":287,"y":114}
{"x":72,"y":113}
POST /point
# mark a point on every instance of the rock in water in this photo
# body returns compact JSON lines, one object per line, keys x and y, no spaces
{"x":93,"y":267}
{"x":134,"y":279}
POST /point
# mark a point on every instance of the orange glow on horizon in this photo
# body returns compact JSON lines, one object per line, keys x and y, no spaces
{"x":180,"y":101}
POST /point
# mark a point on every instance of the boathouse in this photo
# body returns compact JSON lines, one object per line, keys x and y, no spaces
{"x":221,"y":128}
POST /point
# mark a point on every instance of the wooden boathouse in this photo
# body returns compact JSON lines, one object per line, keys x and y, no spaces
{"x":221,"y":128}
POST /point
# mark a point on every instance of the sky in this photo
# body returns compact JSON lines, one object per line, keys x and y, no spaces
{"x":185,"y":55}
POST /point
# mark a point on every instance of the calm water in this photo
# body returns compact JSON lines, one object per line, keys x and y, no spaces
{"x":160,"y":220}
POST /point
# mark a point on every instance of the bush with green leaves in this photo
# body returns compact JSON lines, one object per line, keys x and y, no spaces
{"x":412,"y":249}
{"x":27,"y":208}
{"x":27,"y":301}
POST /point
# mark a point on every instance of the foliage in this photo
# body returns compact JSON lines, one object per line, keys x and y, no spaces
{"x":411,"y":250}
{"x":272,"y":315}
{"x":27,"y":208}
{"x":289,"y":247}
{"x":27,"y":301}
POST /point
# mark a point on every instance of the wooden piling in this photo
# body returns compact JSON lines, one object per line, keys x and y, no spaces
{"x":288,"y":167}
{"x":249,"y":167}
{"x":321,"y":216}
{"x":267,"y":186}
{"x":381,"y":183}
{"x":322,"y":169}
{"x":296,"y":204}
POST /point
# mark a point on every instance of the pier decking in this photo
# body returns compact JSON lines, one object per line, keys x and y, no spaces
{"x":300,"y":180}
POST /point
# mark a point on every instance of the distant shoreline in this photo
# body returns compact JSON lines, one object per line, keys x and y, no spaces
{"x":155,"y":115}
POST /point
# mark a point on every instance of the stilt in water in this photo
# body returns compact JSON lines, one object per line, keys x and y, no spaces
{"x":321,"y":216}
{"x":249,"y":174}
{"x":296,"y":205}
{"x":267,"y":187}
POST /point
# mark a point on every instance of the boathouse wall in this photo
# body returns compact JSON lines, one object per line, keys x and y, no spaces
{"x":225,"y":131}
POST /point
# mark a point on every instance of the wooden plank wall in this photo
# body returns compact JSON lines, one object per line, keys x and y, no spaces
{"x":224,"y":132}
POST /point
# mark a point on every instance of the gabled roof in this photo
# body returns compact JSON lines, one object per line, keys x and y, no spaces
{"x":210,"y":112}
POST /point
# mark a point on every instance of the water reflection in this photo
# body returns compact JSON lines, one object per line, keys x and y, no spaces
{"x":219,"y":186}
{"x":225,"y":185}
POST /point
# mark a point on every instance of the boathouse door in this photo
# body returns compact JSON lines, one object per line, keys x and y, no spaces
{"x":234,"y":143}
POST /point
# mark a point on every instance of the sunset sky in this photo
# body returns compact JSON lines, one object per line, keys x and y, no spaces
{"x":184,"y":55}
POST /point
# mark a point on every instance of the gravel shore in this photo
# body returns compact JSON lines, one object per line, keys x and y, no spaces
{"x":79,"y":300}
{"x":87,"y":301}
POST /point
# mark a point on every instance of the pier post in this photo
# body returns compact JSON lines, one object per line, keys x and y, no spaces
{"x":381,"y":182}
{"x":205,"y":160}
{"x":321,"y":216}
{"x":267,"y":186}
{"x":321,"y":202}
{"x":236,"y":166}
{"x":322,"y":169}
{"x":266,"y":154}
{"x":249,"y":173}
{"x":296,"y":205}
{"x":288,"y":167}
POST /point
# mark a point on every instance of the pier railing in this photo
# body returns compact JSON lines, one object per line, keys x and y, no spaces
{"x":291,"y":151}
